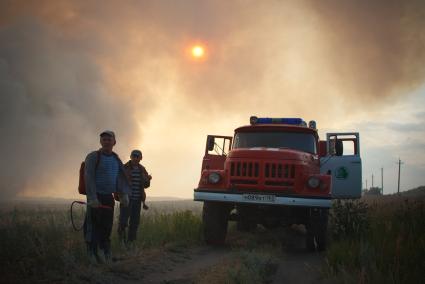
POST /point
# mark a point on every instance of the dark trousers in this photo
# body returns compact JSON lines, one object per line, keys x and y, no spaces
{"x":129,"y":217}
{"x":98,"y":225}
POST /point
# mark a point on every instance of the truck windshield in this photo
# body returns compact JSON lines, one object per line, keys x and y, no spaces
{"x":292,"y":140}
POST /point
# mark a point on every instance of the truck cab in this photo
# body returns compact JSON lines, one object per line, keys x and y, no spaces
{"x":274,"y":172}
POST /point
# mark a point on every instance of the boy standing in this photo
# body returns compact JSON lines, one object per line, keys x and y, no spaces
{"x":139,"y":180}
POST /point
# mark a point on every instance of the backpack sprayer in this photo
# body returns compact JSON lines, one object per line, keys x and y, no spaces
{"x":72,"y":214}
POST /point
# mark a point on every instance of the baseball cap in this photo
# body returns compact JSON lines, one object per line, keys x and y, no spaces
{"x":136,"y":153}
{"x":107,"y":132}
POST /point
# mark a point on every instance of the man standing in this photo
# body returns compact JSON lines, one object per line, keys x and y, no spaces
{"x":104,"y":175}
{"x":140,"y":179}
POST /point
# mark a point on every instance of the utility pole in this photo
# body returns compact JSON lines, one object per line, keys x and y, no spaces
{"x":399,"y":166}
{"x":366,"y":183}
{"x":372,"y":180}
{"x":382,"y":181}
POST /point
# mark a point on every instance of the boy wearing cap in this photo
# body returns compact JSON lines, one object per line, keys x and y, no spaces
{"x":104,"y":175}
{"x":139,"y":180}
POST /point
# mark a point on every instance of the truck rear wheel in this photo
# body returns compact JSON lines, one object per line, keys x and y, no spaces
{"x":215,"y":217}
{"x":317,"y":227}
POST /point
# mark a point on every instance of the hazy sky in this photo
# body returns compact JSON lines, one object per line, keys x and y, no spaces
{"x":70,"y":69}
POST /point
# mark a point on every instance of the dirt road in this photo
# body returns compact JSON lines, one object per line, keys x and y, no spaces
{"x":205,"y":264}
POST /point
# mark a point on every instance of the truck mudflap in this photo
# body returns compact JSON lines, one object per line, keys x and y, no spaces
{"x":268,"y":199}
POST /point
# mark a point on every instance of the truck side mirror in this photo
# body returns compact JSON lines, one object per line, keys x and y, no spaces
{"x":339,"y":148}
{"x":210,"y":143}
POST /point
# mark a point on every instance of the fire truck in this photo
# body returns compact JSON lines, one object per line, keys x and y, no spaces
{"x":276,"y":172}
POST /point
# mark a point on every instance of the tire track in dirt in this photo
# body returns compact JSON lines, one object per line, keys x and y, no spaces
{"x":184,"y":265}
{"x":199,"y":259}
{"x":296,"y":264}
{"x":165,"y":265}
{"x":299,"y":268}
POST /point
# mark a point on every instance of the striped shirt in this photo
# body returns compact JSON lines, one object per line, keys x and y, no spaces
{"x":106,"y":174}
{"x":136,"y":180}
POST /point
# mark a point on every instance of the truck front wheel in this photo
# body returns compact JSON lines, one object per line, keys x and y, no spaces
{"x":215,"y":217}
{"x":317,"y":226}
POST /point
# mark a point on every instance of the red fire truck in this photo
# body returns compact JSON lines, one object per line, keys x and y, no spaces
{"x":276,"y":172}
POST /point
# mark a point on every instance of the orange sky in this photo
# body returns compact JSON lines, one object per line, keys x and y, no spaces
{"x":70,"y":69}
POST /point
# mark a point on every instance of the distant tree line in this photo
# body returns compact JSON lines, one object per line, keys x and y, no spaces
{"x":372,"y":191}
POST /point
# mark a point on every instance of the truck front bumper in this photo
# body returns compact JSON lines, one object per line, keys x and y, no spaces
{"x":266,"y":199}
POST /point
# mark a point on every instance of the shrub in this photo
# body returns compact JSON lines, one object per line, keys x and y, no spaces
{"x":349,"y":219}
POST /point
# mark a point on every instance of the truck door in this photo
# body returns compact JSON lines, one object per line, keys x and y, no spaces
{"x":343,"y":162}
{"x":216,"y":150}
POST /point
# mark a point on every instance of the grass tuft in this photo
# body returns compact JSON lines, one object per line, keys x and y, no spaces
{"x":253,"y":266}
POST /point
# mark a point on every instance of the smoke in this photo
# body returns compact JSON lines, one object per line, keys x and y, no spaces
{"x":53,"y":106}
{"x":374,"y":49}
{"x":69,"y":69}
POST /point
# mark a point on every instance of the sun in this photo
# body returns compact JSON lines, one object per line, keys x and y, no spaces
{"x":198,"y":51}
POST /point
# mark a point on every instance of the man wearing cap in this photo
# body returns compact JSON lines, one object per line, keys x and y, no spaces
{"x":104,"y":175}
{"x":140,"y":179}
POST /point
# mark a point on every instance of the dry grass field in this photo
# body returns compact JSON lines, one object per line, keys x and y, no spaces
{"x":375,"y":239}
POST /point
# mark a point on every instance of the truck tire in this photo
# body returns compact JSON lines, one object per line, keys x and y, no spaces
{"x":215,"y":217}
{"x":317,"y":227}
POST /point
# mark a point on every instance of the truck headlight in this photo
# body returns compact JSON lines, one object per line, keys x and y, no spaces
{"x":313,"y":182}
{"x":214,"y":178}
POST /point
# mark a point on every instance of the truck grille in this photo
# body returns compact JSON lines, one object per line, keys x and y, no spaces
{"x":246,"y":173}
{"x":277,"y":170}
{"x":244,"y":169}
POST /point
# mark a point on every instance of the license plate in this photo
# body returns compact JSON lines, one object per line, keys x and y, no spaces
{"x":259,"y":198}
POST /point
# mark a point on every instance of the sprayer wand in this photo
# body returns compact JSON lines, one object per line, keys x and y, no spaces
{"x":83,"y":203}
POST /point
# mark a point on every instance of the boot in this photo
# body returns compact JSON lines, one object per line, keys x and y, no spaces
{"x":132,"y":234}
{"x":92,"y":254}
{"x":108,"y":256}
{"x":122,"y":236}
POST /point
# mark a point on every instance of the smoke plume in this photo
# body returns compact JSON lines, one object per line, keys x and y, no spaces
{"x":70,"y":69}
